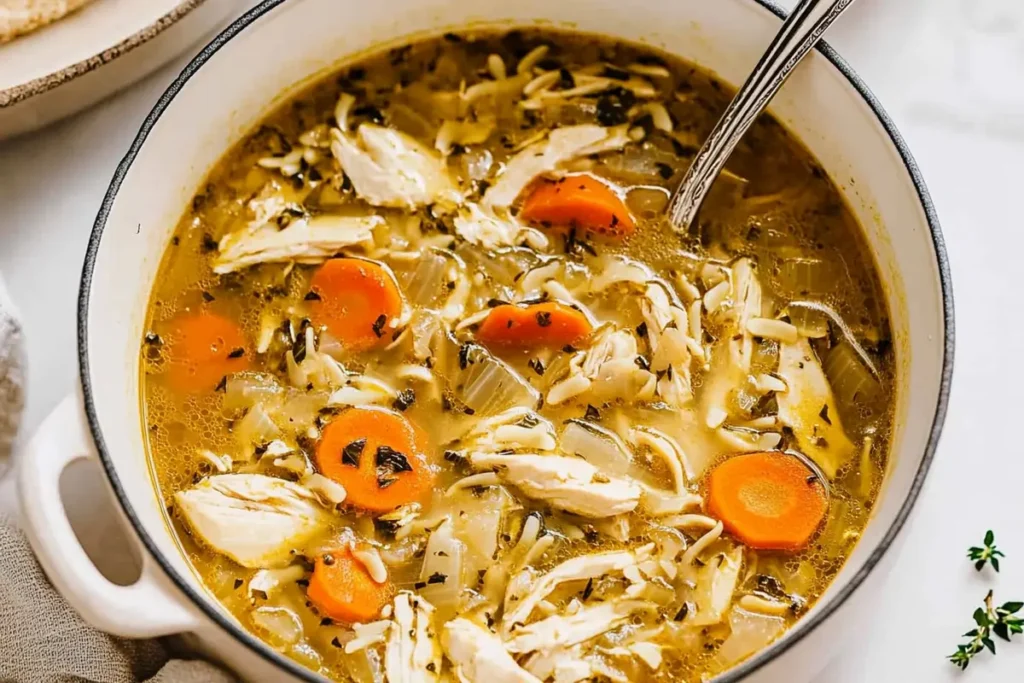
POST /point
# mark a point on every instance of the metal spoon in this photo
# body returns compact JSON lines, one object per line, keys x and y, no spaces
{"x":801,"y":30}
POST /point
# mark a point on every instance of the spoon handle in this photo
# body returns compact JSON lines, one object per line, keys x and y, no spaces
{"x":801,"y":30}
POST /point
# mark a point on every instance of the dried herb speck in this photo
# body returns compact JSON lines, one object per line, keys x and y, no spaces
{"x":378,"y":325}
{"x":390,"y":459}
{"x":405,"y":398}
{"x":350,"y":453}
{"x":823,"y":414}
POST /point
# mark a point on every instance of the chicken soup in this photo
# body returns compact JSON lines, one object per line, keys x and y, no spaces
{"x":434,"y":392}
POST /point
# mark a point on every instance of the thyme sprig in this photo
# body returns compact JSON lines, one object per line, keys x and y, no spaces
{"x":989,"y":620}
{"x":987,"y":554}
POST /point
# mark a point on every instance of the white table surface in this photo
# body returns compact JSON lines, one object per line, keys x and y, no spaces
{"x":940,"y":68}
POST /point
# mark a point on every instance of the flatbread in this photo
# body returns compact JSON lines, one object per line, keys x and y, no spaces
{"x":18,"y":17}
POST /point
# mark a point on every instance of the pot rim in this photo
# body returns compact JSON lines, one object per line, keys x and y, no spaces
{"x":801,"y":630}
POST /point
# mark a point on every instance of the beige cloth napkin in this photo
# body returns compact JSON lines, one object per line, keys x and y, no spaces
{"x":42,"y":639}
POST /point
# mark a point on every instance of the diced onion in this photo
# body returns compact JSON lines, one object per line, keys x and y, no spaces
{"x":444,"y":558}
{"x":749,"y":633}
{"x":851,"y":380}
{"x":480,"y":526}
{"x":425,"y":285}
{"x":491,"y":386}
{"x":808,"y":276}
{"x":245,"y":389}
{"x":811,"y":324}
{"x":598,"y":446}
{"x":256,"y":427}
{"x":280,"y":625}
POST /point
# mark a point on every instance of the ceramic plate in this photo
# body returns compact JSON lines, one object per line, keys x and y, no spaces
{"x":91,"y":53}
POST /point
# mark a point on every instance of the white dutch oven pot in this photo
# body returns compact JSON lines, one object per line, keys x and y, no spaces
{"x":229,"y":86}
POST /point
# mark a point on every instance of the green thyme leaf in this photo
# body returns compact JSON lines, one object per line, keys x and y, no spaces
{"x":989,"y":553}
{"x":998,"y":621}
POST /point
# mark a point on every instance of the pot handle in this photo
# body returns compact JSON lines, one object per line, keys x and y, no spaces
{"x":146,"y":609}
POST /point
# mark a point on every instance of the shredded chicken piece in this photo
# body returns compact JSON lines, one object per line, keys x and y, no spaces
{"x":413,"y":653}
{"x":606,"y":371}
{"x":254,"y":519}
{"x":564,"y":631}
{"x":304,"y":240}
{"x":658,"y":502}
{"x":567,"y":483}
{"x":480,"y":226}
{"x":562,"y":145}
{"x":479,"y":656}
{"x":268,"y":581}
{"x":809,"y":409}
{"x":330,"y":492}
{"x":367,"y":635}
{"x":389,"y":168}
{"x":576,"y":569}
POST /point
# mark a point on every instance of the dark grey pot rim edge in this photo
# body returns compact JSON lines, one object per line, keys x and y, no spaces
{"x":801,"y":630}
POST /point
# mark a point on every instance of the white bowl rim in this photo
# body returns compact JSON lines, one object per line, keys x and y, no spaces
{"x":20,"y":92}
{"x":802,"y":628}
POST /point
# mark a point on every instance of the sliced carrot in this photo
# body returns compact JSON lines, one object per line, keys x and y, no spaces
{"x":201,"y":348}
{"x":356,"y":300}
{"x":537,"y":325}
{"x":378,"y":455}
{"x":341,"y":588}
{"x":582,"y":201}
{"x":769,"y":501}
